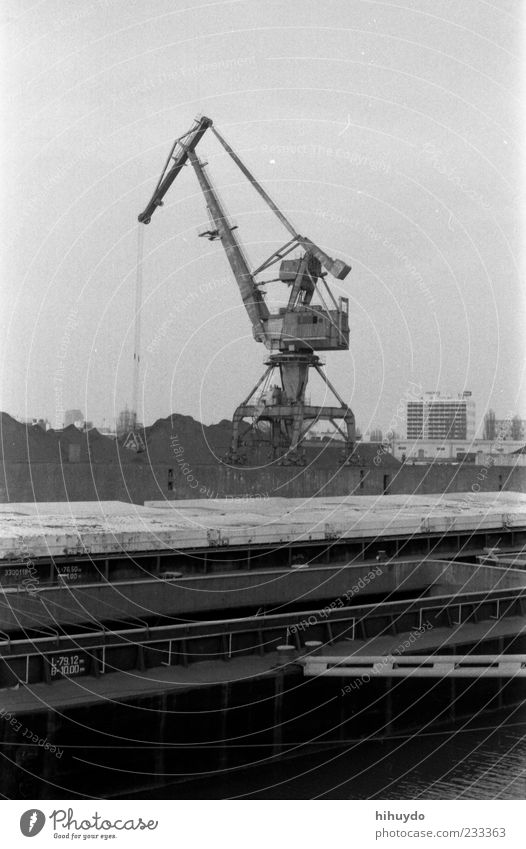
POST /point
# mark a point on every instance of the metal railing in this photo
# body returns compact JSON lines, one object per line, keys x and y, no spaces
{"x":155,"y":645}
{"x":416,"y":666}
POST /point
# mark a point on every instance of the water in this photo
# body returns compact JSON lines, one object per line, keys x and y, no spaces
{"x":484,"y":760}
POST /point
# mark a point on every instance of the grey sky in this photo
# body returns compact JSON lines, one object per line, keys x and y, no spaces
{"x":389,"y":133}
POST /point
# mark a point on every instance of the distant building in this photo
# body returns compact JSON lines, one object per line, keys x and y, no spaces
{"x":127,"y":422}
{"x":453,"y":450}
{"x":436,"y":416}
{"x":490,"y":425}
{"x":513,"y":428}
{"x":43,"y":424}
{"x":107,"y":431}
{"x":74,"y":417}
{"x":376,"y":435}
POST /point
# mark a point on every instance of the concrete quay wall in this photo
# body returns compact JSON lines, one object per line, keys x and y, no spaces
{"x":140,"y":482}
{"x":176,"y":734}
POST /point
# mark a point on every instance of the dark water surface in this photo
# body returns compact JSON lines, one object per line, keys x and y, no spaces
{"x":484,"y":760}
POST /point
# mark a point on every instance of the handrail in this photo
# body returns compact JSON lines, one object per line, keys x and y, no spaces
{"x":340,"y":614}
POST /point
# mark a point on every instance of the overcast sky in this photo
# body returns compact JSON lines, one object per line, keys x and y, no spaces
{"x":388,"y":133}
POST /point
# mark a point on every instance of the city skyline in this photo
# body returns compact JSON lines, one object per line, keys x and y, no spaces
{"x":109,"y":423}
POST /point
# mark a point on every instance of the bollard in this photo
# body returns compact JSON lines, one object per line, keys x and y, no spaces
{"x":286,"y":654}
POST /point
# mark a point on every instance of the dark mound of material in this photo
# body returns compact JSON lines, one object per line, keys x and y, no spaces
{"x":23,"y":443}
{"x":188,"y":440}
{"x":184,"y":437}
{"x":173,"y":440}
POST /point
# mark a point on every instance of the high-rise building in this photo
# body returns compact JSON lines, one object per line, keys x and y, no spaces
{"x":490,"y":426}
{"x":436,"y":416}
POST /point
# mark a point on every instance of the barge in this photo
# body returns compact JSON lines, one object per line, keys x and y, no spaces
{"x":153,"y":643}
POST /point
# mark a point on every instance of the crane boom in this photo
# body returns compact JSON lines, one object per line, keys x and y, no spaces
{"x":179,"y":153}
{"x":251,"y":296}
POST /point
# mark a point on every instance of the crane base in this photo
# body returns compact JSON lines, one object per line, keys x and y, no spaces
{"x":280,"y":419}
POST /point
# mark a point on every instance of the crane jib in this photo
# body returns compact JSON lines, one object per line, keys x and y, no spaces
{"x":180,"y":158}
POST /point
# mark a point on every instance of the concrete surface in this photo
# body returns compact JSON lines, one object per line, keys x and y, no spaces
{"x":32,"y":530}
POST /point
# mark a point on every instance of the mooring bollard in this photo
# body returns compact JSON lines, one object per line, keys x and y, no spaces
{"x":286,"y":654}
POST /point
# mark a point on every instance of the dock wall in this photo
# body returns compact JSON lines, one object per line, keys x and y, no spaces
{"x":138,"y":482}
{"x":172,"y":736}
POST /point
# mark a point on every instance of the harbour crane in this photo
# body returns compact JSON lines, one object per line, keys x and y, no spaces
{"x":312,"y":320}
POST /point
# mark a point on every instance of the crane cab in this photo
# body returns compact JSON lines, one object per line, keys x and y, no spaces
{"x":317,"y":328}
{"x":310,"y":328}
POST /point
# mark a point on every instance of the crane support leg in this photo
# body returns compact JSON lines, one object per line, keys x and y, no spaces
{"x":282,"y":419}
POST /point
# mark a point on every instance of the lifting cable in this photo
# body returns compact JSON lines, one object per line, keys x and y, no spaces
{"x":137,"y":319}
